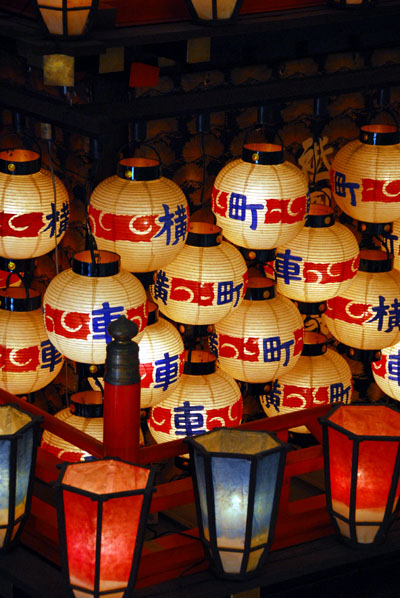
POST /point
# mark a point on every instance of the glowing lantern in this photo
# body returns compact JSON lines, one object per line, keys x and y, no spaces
{"x":237,"y":477}
{"x":386,"y":371}
{"x":205,"y":283}
{"x":366,"y":314}
{"x":205,"y":398}
{"x":28,"y":360}
{"x":213,"y":11}
{"x":320,"y":261}
{"x":365,"y":175}
{"x":80,"y":302}
{"x":260,"y":201}
{"x":263,"y":338}
{"x":362,"y":465}
{"x":161,"y":355}
{"x":391,"y":240}
{"x":67,"y":18}
{"x":33,"y":215}
{"x":321,"y":376}
{"x":19,"y":436}
{"x":140,"y":215}
{"x":102,"y":509}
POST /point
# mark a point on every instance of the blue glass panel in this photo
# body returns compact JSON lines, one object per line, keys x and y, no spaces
{"x":4,"y":479}
{"x":24,"y":460}
{"x":201,"y":481}
{"x":267,"y":472}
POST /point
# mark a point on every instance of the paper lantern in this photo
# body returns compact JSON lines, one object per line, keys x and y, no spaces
{"x":263,"y":338}
{"x":366,"y":314}
{"x":365,"y":175}
{"x":33,"y":215}
{"x":161,"y":355}
{"x":102,"y":508}
{"x":205,"y":398}
{"x":237,"y":479}
{"x":28,"y":360}
{"x":362,"y":465}
{"x":80,"y":302}
{"x":320,"y":261}
{"x":67,"y":18}
{"x":140,"y":215}
{"x":211,"y":12}
{"x":391,"y":240}
{"x":386,"y":371}
{"x":19,"y":437}
{"x":260,"y":200}
{"x":205,"y":282}
{"x":321,"y":376}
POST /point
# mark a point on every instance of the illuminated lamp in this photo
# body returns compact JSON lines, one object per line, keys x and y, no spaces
{"x":205,"y":398}
{"x":237,"y":480}
{"x":33,"y":215}
{"x":67,"y":18}
{"x":366,"y":314}
{"x":19,"y":437}
{"x":80,"y":302}
{"x":260,"y":200}
{"x":320,"y":261}
{"x":102,"y":509}
{"x":140,"y":215}
{"x":362,"y":465}
{"x":161,"y":359}
{"x":391,"y":240}
{"x":263,"y":338}
{"x":205,"y":282}
{"x":211,"y":12}
{"x":28,"y":360}
{"x":365,"y":175}
{"x":321,"y":376}
{"x":386,"y":371}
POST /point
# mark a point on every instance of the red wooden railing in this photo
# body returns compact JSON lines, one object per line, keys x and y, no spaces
{"x":169,"y":556}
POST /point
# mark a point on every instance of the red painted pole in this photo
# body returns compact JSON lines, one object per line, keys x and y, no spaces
{"x":122,"y":392}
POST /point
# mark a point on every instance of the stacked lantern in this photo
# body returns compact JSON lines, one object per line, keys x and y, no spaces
{"x":386,"y":371}
{"x":140,"y":215}
{"x":263,"y":338}
{"x":205,"y":398}
{"x":81,"y":301}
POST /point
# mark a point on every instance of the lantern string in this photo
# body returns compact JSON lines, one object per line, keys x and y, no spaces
{"x":53,"y":181}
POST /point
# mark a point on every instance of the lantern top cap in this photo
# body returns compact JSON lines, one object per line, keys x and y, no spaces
{"x":367,"y":420}
{"x":108,"y":476}
{"x":20,"y":299}
{"x":18,"y":155}
{"x":139,"y":162}
{"x":235,"y":442}
{"x":88,"y":397}
{"x":13,"y":419}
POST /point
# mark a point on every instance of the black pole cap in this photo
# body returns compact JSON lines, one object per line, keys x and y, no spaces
{"x":122,"y":360}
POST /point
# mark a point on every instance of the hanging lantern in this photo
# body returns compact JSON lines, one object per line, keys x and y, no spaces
{"x":320,"y":261}
{"x":386,"y":371}
{"x":263,"y":338}
{"x":365,"y":175}
{"x":67,"y":18}
{"x":237,"y":480}
{"x":81,"y":301}
{"x":366,"y":314}
{"x":211,"y":12}
{"x":321,"y":376}
{"x":28,"y":360}
{"x":102,"y":509}
{"x":390,"y":241}
{"x":19,"y":437}
{"x":205,"y":398}
{"x":33,"y":215}
{"x":205,"y":282}
{"x":260,"y":201}
{"x":362,"y":466}
{"x":161,"y":355}
{"x":140,"y":215}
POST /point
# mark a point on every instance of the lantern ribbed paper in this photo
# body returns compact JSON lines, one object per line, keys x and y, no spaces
{"x":66,"y":18}
{"x":80,"y":302}
{"x":365,"y":175}
{"x":366,"y":315}
{"x":140,"y":215}
{"x":205,"y":398}
{"x":263,"y":338}
{"x":362,"y":466}
{"x":320,"y":261}
{"x":33,"y":215}
{"x":28,"y":360}
{"x":161,"y":356}
{"x":205,"y":282}
{"x":386,"y":371}
{"x":321,"y":376}
{"x":260,"y":201}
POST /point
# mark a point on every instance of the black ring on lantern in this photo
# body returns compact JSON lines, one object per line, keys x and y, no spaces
{"x":199,"y":368}
{"x":11,"y":163}
{"x":140,"y":172}
{"x":95,"y":268}
{"x":372,"y":135}
{"x":17,"y":266}
{"x":261,"y":293}
{"x":321,"y":220}
{"x":29,"y":301}
{"x":259,"y":153}
{"x":211,"y":237}
{"x":318,"y":347}
{"x":91,"y":410}
{"x":260,"y":256}
{"x":372,"y":260}
{"x":153,"y":313}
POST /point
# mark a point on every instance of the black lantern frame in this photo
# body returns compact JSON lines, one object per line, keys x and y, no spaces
{"x":66,"y":11}
{"x":214,"y":20}
{"x":391,"y":510}
{"x":210,"y":545}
